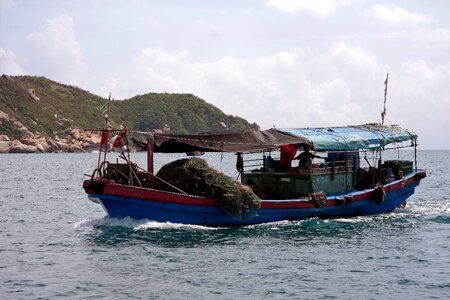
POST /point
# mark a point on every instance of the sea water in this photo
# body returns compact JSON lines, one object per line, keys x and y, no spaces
{"x":56,"y":244}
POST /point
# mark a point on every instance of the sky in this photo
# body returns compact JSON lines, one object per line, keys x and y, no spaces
{"x":282,"y":63}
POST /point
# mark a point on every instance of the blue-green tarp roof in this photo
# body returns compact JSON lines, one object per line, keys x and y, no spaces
{"x":370,"y":136}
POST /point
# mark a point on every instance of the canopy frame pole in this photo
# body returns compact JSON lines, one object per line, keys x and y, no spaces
{"x":415,"y":155}
{"x":380,"y":166}
{"x":310,"y":174}
{"x":375,"y":164}
{"x":100,"y":155}
{"x":150,"y":153}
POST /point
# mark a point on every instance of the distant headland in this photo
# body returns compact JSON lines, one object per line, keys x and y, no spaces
{"x":38,"y":115}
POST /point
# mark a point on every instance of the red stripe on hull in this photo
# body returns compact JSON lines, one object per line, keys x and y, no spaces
{"x":162,"y":196}
{"x":155,"y":195}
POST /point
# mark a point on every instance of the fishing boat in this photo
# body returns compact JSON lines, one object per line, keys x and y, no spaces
{"x":345,"y":174}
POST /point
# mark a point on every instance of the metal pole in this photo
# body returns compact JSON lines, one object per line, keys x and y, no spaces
{"x":415,"y":155}
{"x":380,"y":167}
{"x":100,"y":155}
{"x":150,"y":149}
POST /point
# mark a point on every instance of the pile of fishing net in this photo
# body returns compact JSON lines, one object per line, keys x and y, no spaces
{"x":193,"y":176}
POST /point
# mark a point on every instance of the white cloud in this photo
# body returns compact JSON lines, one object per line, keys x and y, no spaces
{"x":8,"y":64}
{"x":285,"y":89}
{"x":341,"y":86}
{"x":318,"y":7}
{"x":55,"y":52}
{"x":278,"y":85}
{"x":394,"y":15}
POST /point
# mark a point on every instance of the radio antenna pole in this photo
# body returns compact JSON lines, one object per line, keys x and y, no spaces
{"x":383,"y":113}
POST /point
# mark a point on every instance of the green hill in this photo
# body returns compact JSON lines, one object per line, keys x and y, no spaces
{"x":184,"y":113}
{"x":48,"y":108}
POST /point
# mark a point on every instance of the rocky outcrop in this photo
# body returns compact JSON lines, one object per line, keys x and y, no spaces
{"x":4,"y":138}
{"x":4,"y":118}
{"x":23,"y":149}
{"x":37,"y":141}
{"x":5,"y":146}
{"x":18,"y":147}
{"x":33,"y":95}
{"x":75,"y":141}
{"x":75,"y":133}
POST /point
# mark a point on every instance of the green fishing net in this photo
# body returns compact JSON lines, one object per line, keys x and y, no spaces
{"x":193,"y":176}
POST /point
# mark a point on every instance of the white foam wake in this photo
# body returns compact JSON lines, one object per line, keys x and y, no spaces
{"x":135,"y":224}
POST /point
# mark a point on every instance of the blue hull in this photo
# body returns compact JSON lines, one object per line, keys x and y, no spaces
{"x":119,"y":206}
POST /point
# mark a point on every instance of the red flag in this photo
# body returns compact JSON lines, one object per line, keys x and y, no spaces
{"x":287,"y":154}
{"x":121,"y":140}
{"x":104,"y":140}
{"x":116,"y":140}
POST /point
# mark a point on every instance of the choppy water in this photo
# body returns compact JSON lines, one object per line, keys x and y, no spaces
{"x":57,"y":244}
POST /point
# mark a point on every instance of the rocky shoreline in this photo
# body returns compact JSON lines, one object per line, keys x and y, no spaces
{"x":75,"y":140}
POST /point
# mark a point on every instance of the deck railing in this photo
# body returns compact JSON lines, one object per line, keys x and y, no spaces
{"x":266,"y":164}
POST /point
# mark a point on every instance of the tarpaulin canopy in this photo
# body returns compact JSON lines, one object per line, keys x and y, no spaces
{"x":369,"y":136}
{"x":246,"y":141}
{"x":361,"y":137}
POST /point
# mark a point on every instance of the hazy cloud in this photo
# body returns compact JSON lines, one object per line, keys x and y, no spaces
{"x":55,"y":51}
{"x":340,"y":86}
{"x":393,"y":15}
{"x":8,"y":64}
{"x":284,"y":89}
{"x":318,"y":7}
{"x":423,"y":92}
{"x":258,"y":63}
{"x":11,"y":4}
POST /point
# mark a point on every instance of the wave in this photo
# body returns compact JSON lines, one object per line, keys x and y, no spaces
{"x":441,"y":207}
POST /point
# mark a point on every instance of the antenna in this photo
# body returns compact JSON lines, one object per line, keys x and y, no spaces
{"x":383,"y":113}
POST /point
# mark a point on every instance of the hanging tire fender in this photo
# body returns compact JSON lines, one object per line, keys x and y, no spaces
{"x":378,"y":194}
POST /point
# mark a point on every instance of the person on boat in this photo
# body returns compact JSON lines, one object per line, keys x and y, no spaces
{"x":305,"y":157}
